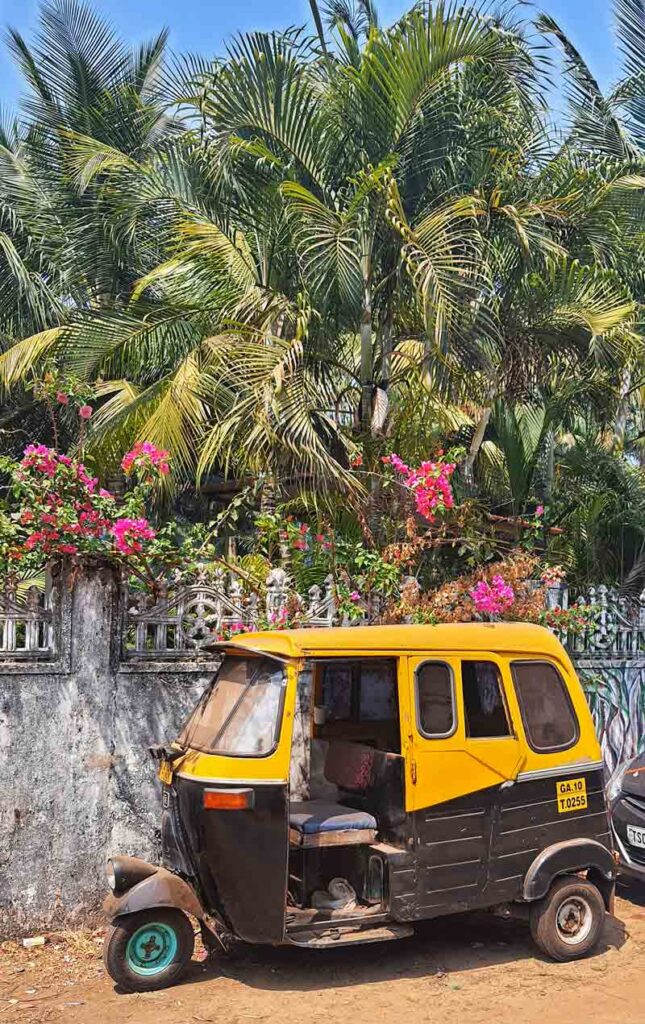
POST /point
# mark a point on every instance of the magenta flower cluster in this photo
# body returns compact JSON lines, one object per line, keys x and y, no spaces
{"x":492,"y":598}
{"x":130,"y":533}
{"x":429,"y":482}
{"x":146,"y":455}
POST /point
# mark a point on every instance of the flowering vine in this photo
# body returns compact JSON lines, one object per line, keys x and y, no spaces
{"x":429,"y":482}
{"x":492,"y":598}
{"x":63,"y":512}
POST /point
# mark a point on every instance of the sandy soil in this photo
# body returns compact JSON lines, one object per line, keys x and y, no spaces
{"x":480,"y":970}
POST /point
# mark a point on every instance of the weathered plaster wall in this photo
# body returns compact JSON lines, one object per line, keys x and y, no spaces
{"x":77,"y":782}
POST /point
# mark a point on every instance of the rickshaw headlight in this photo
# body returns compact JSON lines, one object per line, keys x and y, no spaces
{"x":111,"y":875}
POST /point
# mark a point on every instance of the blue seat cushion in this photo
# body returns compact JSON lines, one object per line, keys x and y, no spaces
{"x":313,"y":816}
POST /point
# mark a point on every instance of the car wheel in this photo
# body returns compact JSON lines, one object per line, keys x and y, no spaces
{"x":568,"y":922}
{"x":148,"y":950}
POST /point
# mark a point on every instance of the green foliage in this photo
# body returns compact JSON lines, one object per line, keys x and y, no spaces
{"x":365,"y":240}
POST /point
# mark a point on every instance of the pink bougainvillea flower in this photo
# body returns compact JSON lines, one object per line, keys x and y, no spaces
{"x":85,"y":411}
{"x":145,"y":455}
{"x":67,"y":549}
{"x":354,"y":596}
{"x":430,"y":483}
{"x":40,"y":458}
{"x":492,"y":598}
{"x":539,"y":510}
{"x":129,"y":535}
{"x":62,"y":398}
{"x":553,"y":574}
{"x":105,"y":494}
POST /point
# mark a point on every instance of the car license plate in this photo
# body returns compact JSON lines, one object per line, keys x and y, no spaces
{"x":636,"y":836}
{"x":165,"y":772}
{"x":571,"y":795}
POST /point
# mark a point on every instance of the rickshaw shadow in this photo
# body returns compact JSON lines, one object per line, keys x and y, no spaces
{"x":628,"y":889}
{"x":440,"y":947}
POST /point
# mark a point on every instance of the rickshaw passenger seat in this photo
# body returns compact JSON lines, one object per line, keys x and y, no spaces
{"x":319,"y":823}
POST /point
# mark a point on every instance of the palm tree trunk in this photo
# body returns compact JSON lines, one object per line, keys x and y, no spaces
{"x":622,"y":411}
{"x":367,"y":353}
{"x":475,"y":445}
{"x":550,"y":467}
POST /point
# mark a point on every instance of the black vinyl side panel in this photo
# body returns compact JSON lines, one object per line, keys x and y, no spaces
{"x":475,"y":851}
{"x":452,"y":844}
{"x":529,"y":821}
{"x":241,"y":857}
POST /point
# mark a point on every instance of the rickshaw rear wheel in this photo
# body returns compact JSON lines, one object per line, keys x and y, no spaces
{"x":148,"y":950}
{"x":568,"y":922}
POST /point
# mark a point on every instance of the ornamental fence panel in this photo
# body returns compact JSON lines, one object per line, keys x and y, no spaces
{"x":181,"y":619}
{"x":26,"y":621}
{"x":184,"y":615}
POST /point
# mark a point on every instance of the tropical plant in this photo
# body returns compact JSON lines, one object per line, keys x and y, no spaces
{"x":282,"y":264}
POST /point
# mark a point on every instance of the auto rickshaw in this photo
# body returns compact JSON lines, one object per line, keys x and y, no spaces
{"x":335,"y":786}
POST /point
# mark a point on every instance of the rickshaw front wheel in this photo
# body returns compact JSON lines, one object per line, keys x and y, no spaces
{"x":148,"y":950}
{"x":568,"y":922}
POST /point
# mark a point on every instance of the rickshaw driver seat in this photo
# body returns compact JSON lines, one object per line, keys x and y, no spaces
{"x":319,"y":823}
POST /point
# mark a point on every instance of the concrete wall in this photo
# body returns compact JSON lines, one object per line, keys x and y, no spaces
{"x":77,"y":782}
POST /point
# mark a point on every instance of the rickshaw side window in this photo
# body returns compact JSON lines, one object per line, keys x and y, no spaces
{"x":360,"y":690}
{"x":547,"y":712}
{"x":435,"y":688}
{"x":240,"y":713}
{"x":484,"y":708}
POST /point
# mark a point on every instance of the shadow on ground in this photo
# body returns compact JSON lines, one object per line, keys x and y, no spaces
{"x":451,"y":944}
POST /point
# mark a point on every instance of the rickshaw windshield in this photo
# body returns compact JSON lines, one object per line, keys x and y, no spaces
{"x":241,"y":710}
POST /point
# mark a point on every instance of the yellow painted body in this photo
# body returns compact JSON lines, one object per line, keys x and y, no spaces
{"x":437,"y":770}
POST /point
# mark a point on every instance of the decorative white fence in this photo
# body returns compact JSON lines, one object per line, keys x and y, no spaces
{"x":183,"y":616}
{"x":26,"y":621}
{"x":181,"y":620}
{"x":616,"y":624}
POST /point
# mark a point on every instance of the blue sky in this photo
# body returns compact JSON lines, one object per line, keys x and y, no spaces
{"x":205,"y":25}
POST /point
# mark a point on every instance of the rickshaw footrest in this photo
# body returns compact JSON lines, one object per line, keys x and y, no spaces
{"x":351,"y":936}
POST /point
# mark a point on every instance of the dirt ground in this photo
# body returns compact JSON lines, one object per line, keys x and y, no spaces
{"x":480,"y":969}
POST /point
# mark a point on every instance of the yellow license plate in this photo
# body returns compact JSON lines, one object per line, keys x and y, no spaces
{"x":165,"y":772}
{"x":571,"y":795}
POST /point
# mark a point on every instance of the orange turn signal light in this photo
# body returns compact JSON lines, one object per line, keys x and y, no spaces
{"x":228,"y":799}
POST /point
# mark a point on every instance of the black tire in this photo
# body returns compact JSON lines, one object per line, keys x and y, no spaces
{"x":175,"y":931}
{"x":568,"y":922}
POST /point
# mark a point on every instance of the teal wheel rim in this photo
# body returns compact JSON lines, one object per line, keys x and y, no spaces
{"x":151,"y":949}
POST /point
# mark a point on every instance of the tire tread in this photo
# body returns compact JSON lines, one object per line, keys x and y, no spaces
{"x":543,"y":915}
{"x":119,"y":934}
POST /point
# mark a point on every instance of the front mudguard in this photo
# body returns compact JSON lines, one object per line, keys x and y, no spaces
{"x":159,"y":889}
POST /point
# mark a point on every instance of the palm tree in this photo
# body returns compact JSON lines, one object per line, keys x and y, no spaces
{"x":337,"y":231}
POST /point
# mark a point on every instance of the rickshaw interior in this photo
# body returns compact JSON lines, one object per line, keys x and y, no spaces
{"x":346,"y":787}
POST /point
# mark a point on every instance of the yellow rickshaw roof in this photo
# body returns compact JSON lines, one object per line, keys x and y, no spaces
{"x":516,"y":637}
